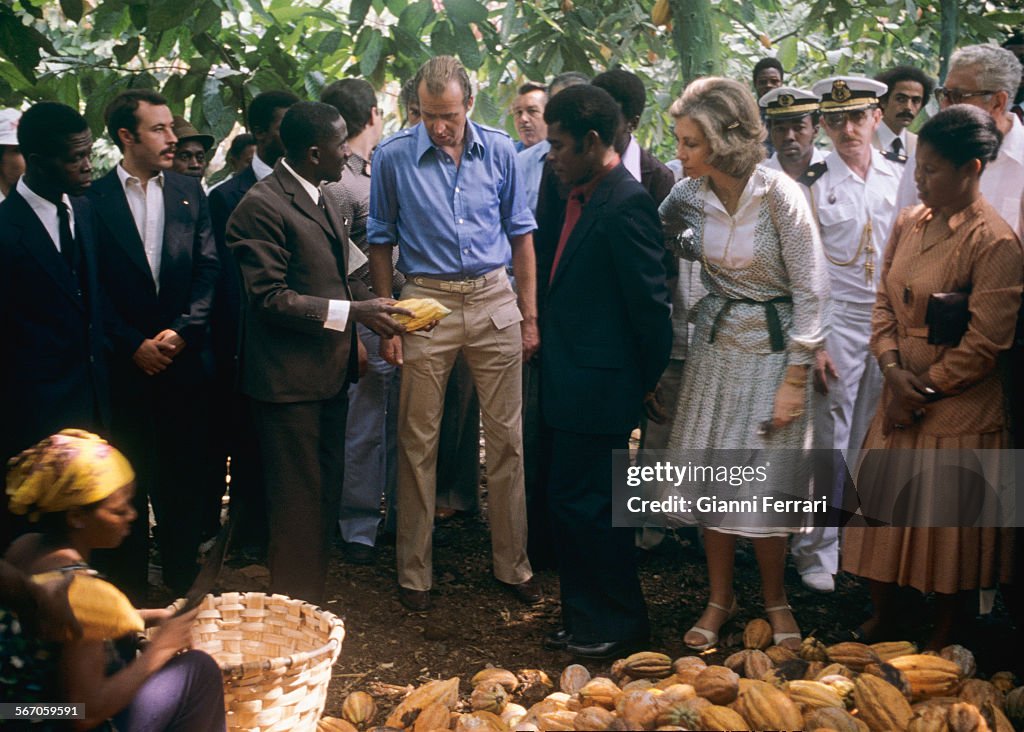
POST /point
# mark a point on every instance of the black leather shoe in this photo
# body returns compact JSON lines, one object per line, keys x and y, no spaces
{"x":558,"y":640}
{"x":356,"y":553}
{"x":528,"y":592}
{"x":415,"y":600}
{"x":603,"y":651}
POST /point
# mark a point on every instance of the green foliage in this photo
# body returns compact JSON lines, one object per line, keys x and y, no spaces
{"x":209,"y":57}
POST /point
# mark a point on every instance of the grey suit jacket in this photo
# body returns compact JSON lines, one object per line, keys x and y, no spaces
{"x":293,"y":257}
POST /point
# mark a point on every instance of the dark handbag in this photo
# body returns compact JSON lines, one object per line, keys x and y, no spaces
{"x":947,"y":317}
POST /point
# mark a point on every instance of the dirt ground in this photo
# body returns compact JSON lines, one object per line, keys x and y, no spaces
{"x":475,"y":623}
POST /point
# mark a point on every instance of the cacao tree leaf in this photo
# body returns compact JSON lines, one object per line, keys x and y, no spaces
{"x":127,"y":50}
{"x":357,"y":12}
{"x":442,"y":38}
{"x":468,"y":48}
{"x":209,"y":14}
{"x":466,"y":11}
{"x":416,"y":16}
{"x":168,"y":14}
{"x":788,"y":52}
{"x":371,"y":54}
{"x":72,"y":9}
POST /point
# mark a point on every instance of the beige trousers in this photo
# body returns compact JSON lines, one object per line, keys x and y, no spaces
{"x":484,"y":326}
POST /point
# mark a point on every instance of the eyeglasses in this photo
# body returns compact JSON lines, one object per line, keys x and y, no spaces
{"x":957,"y":96}
{"x":837,"y":120}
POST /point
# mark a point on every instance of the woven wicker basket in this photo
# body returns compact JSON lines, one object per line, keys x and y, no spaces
{"x":276,"y":654}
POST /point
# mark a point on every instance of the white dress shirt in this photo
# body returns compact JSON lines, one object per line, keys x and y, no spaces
{"x":46,"y":211}
{"x":146,"y":202}
{"x":729,"y":239}
{"x":631,"y":158}
{"x":883,"y":137}
{"x":844,"y":205}
{"x":337,"y":310}
{"x":261,"y":169}
{"x":1001,"y":183}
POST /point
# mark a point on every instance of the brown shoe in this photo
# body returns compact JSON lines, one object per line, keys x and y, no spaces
{"x":528,"y":592}
{"x":415,"y":600}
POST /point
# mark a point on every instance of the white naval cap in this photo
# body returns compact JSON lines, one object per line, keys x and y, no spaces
{"x":844,"y":93}
{"x":785,"y":102}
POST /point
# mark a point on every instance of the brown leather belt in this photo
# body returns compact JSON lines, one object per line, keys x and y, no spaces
{"x":460,"y":286}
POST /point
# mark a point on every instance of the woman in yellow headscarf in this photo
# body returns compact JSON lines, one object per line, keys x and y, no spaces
{"x":78,"y":490}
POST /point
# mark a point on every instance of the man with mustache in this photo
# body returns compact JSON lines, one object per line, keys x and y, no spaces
{"x":853,"y":196}
{"x":793,"y":118}
{"x":909,"y":90}
{"x":528,"y":114}
{"x":158,"y":264}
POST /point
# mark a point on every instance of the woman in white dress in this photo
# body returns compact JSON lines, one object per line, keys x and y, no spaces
{"x":756,"y":336}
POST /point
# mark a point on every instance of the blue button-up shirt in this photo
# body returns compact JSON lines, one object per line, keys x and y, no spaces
{"x":448,"y":220}
{"x":530,"y":163}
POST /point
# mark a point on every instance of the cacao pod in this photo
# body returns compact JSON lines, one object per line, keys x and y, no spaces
{"x":359,"y":708}
{"x":680,"y":714}
{"x":834,"y":718}
{"x":433,"y":692}
{"x":765,"y":707}
{"x":426,"y":310}
{"x":979,"y":693}
{"x":962,"y":658}
{"x":721,"y":718}
{"x":852,"y":655}
{"x":757,"y":634}
{"x":893,"y":649}
{"x":102,"y":610}
{"x":489,"y":697}
{"x":964,"y":717}
{"x":880,"y":704}
{"x":574,"y":677}
{"x":812,"y":649}
{"x":334,"y":724}
{"x":888,"y":672}
{"x":929,"y":718}
{"x":601,"y":692}
{"x":499,"y":675}
{"x":593,"y":718}
{"x":780,"y":654}
{"x":647,"y":665}
{"x":842,"y":686}
{"x":434,"y":716}
{"x":718,"y":684}
{"x":834,"y":669}
{"x":1003,"y":680}
{"x":929,"y":676}
{"x":1014,"y":707}
{"x":638,"y":709}
{"x":661,"y":14}
{"x":813,"y":695}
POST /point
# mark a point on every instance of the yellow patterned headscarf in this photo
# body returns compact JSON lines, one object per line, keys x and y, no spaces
{"x":70,"y":469}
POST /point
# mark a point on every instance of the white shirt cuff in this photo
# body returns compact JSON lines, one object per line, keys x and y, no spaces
{"x":337,"y":314}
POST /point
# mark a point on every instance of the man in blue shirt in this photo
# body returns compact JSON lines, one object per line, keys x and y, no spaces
{"x":447,"y":190}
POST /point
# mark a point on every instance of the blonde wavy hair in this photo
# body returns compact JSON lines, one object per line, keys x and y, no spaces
{"x":726,"y":113}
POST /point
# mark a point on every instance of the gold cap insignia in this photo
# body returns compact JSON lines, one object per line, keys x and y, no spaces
{"x":786,"y":100}
{"x":840,"y":91}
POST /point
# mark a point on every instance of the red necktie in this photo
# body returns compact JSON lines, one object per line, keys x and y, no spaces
{"x":573,"y":209}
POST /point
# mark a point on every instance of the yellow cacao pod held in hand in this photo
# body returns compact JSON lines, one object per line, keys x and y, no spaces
{"x":101,"y":609}
{"x":425,"y":311}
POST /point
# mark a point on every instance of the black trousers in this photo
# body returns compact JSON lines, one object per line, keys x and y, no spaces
{"x":601,"y":595}
{"x":163,"y":430}
{"x":302,"y":446}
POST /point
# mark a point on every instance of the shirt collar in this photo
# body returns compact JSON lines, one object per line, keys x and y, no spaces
{"x":1013,"y":143}
{"x":357,"y":164}
{"x":757,"y":185}
{"x":586,"y":190}
{"x":631,"y":158}
{"x":260,"y":168}
{"x":886,"y":136}
{"x":472,"y":142}
{"x":311,"y":190}
{"x":125,"y":176}
{"x":37,"y":202}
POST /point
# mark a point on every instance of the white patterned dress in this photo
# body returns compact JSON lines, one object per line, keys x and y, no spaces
{"x":769,"y":250}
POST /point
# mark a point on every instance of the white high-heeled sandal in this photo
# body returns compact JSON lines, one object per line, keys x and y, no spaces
{"x":778,"y":638}
{"x":710,"y":636}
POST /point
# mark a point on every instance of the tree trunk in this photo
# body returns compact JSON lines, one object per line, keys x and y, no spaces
{"x":948,"y":31}
{"x":694,"y":38}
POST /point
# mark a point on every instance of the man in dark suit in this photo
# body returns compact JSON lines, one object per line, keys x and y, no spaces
{"x":605,"y":330}
{"x":52,"y":370}
{"x":158,"y":266}
{"x":232,"y":432}
{"x":299,"y":341}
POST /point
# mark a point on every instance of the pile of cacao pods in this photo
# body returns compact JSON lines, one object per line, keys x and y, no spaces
{"x":846,"y":687}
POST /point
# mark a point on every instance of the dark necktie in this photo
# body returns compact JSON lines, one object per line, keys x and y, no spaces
{"x":68,"y":245}
{"x":897,"y":146}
